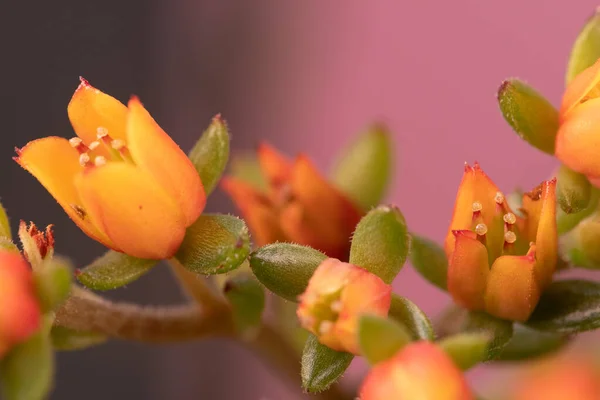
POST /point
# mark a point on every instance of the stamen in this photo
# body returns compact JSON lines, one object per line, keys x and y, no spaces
{"x":101,"y":132}
{"x":84,"y":159}
{"x":99,"y":161}
{"x":476,"y":206}
{"x":481,"y":229}
{"x":74,"y":142}
{"x":78,"y":145}
{"x":336,"y":306}
{"x":510,"y":237}
{"x":325,"y":327}
{"x":499,"y":198}
{"x":510,"y":218}
{"x":117,"y":144}
{"x":94,"y":145}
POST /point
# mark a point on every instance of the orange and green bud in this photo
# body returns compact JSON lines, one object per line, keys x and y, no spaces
{"x":421,"y":371}
{"x":337,"y":294}
{"x":579,"y":134}
{"x":20,"y":314}
{"x":122,"y":180}
{"x":299,"y":206}
{"x":37,"y":245}
{"x":500,"y":262}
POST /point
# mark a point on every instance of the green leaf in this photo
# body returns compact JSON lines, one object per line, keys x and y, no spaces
{"x":527,"y":344}
{"x":210,"y":154}
{"x":568,"y":306}
{"x":67,"y":339}
{"x":364,"y":169}
{"x":381,"y":242}
{"x":247,"y":299}
{"x":27,"y":370}
{"x":566,"y":222}
{"x":573,"y":190}
{"x":246,"y":168}
{"x":429,"y":259}
{"x":322,"y":366}
{"x":586,"y":49}
{"x":466,"y":349}
{"x":581,"y":246}
{"x":4,"y":224}
{"x":52,"y":283}
{"x":530,"y":115}
{"x":215,"y":244}
{"x":411,"y":316}
{"x":380,"y":338}
{"x":113,"y":270}
{"x":285,"y":268}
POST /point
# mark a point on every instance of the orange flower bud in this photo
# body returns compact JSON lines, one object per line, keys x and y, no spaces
{"x":123,"y":180}
{"x":421,"y":371}
{"x":578,"y":137}
{"x":20,"y":313}
{"x":522,"y":252}
{"x":337,"y":294}
{"x":300,"y":205}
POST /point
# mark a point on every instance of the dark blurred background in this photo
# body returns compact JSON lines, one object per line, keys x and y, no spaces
{"x":304,"y":75}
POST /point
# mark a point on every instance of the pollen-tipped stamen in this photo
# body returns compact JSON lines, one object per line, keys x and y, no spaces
{"x":509,"y":219}
{"x":78,"y":145}
{"x":120,"y":146}
{"x":84,"y":160}
{"x":99,"y":161}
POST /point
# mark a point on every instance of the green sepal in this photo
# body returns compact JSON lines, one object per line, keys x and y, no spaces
{"x":247,"y":299}
{"x":429,"y":260}
{"x":573,"y":190}
{"x":412,"y":317}
{"x":586,"y":49}
{"x":466,"y":349}
{"x":65,"y":339}
{"x":53,"y":282}
{"x":322,"y":366}
{"x":380,"y":338}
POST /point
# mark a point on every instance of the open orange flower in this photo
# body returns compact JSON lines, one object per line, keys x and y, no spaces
{"x":20,"y":314}
{"x":421,"y":371}
{"x":123,"y":180}
{"x":522,"y":252}
{"x":578,"y":138}
{"x":300,"y":206}
{"x":337,"y":294}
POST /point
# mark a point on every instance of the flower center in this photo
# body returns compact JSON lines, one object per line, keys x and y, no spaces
{"x":91,"y":155}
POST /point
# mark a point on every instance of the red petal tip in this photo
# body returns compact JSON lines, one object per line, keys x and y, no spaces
{"x":84,"y":82}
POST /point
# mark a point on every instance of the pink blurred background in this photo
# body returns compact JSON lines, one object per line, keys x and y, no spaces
{"x":308,"y":76}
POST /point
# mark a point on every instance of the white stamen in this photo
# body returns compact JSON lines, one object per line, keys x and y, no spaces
{"x":477,"y":206}
{"x":325,"y":327}
{"x":510,"y":237}
{"x":481,"y":229}
{"x":101,"y":132}
{"x":499,"y":198}
{"x":336,"y":306}
{"x":117,"y":144}
{"x":94,"y":144}
{"x":99,"y":161}
{"x":74,"y":142}
{"x":84,"y":158}
{"x":510,"y":218}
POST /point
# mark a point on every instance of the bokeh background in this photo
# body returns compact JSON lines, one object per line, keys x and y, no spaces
{"x":305,"y":76}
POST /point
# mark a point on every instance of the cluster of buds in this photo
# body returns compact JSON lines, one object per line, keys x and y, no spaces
{"x":37,"y":245}
{"x":337,"y":294}
{"x":299,"y":206}
{"x":420,"y":370}
{"x":498,"y":261}
{"x":122,"y":180}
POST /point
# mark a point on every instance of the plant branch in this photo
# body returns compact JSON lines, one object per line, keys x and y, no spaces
{"x":197,"y":288}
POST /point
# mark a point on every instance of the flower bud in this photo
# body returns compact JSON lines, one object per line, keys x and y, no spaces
{"x":37,"y":245}
{"x":337,"y":294}
{"x":418,"y":371}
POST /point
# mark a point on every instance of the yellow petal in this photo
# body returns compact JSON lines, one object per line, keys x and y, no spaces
{"x":133,"y":210}
{"x":468,"y":271}
{"x":155,"y":152}
{"x":91,"y":109}
{"x":55,"y":163}
{"x":578,"y":139}
{"x":582,"y":88}
{"x":512,"y":292}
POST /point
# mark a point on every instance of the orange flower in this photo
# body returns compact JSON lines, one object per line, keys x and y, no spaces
{"x":123,"y":180}
{"x":578,"y":138}
{"x":337,"y":294}
{"x":20,"y":313}
{"x":300,"y":205}
{"x":421,"y":371}
{"x":522,"y":252}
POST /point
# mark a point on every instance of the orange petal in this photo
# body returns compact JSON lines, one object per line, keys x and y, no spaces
{"x":134,"y":211}
{"x":276,"y":167}
{"x":468,"y":271}
{"x":512,"y":292}
{"x":91,"y":109}
{"x":256,"y":210}
{"x":154,"y":151}
{"x":578,"y":139}
{"x":55,"y":163}
{"x":582,"y":88}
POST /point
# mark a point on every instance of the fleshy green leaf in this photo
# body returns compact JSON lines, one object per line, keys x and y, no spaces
{"x":113,"y":270}
{"x":215,"y":244}
{"x":285,"y":268}
{"x":381,"y":242}
{"x":363,"y":171}
{"x":527,"y":344}
{"x":586,"y":49}
{"x":380,"y":338}
{"x":53,"y":283}
{"x":530,"y":115}
{"x":569,"y":306}
{"x":466,"y":349}
{"x":573,"y":190}
{"x":211,"y":152}
{"x":4,"y":224}
{"x":411,"y":316}
{"x":322,"y":366}
{"x":581,"y":246}
{"x":27,"y":370}
{"x":429,"y":259}
{"x":566,"y":222}
{"x":247,"y":299}
{"x":67,"y":339}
